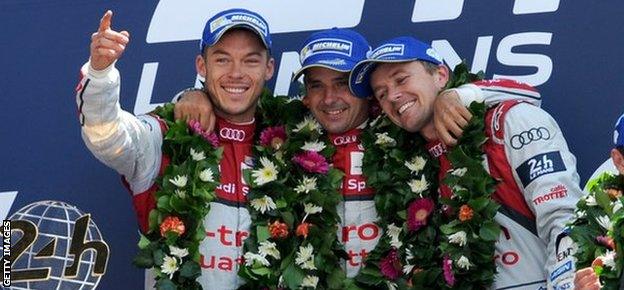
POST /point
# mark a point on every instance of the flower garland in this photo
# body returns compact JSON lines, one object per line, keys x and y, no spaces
{"x":293,"y":198}
{"x":599,"y":229}
{"x":430,"y":242}
{"x":187,"y":186}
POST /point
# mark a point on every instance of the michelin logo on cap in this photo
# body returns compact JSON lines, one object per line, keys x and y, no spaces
{"x":327,"y":45}
{"x":238,"y":17}
{"x":433,"y":53}
{"x":389,"y":49}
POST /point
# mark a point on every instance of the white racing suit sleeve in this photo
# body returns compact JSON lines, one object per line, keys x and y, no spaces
{"x":545,"y":171}
{"x":493,"y":92}
{"x":128,"y":144}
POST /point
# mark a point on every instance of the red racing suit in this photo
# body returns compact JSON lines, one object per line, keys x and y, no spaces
{"x":538,"y":192}
{"x":358,"y":231}
{"x":132,"y":146}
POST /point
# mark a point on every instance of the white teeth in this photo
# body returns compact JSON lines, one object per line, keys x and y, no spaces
{"x":235,"y":90}
{"x":335,"y":112}
{"x":405,"y":107}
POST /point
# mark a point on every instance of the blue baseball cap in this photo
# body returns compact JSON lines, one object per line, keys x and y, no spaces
{"x":336,"y":49}
{"x":223,"y":21}
{"x":400,"y":49}
{"x":618,"y":133}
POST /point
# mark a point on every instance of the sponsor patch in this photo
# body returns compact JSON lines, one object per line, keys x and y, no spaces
{"x":327,"y":45}
{"x":389,"y":49}
{"x":567,"y":267}
{"x":557,"y":192}
{"x":518,"y":141}
{"x":540,"y":165}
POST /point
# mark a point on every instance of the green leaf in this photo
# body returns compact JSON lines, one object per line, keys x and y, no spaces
{"x":293,"y":276}
{"x":190,"y":269}
{"x":165,"y":284}
{"x":263,"y":233}
{"x":143,"y":260}
{"x":262,"y":271}
{"x":144,"y":242}
{"x":489,"y":231}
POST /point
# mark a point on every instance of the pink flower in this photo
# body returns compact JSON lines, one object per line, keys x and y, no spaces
{"x":391,"y":265}
{"x":273,"y":136}
{"x":211,"y":137}
{"x":418,"y":212}
{"x":447,"y":268}
{"x":312,"y":162}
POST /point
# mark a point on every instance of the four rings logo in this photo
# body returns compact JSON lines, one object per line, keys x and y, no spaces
{"x":232,"y":134}
{"x":342,"y":140}
{"x":526,"y":137}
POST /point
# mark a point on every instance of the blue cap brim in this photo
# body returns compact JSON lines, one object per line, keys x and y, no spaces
{"x":251,"y":28}
{"x":359,"y":79}
{"x":348,"y":66}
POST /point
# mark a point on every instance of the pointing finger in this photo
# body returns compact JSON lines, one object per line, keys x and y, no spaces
{"x":105,"y":22}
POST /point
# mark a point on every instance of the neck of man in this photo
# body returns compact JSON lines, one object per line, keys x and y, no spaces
{"x":428,"y":132}
{"x":239,"y":119}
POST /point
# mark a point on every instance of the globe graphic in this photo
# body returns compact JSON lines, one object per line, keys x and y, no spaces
{"x":55,"y":219}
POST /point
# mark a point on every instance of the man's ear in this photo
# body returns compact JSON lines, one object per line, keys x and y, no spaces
{"x":618,"y":160}
{"x":442,"y":76}
{"x":305,"y":101}
{"x":200,"y":65}
{"x":270,"y":69}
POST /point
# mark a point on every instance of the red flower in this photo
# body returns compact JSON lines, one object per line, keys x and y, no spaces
{"x":465,"y":213}
{"x":273,"y":136}
{"x":418,"y":212}
{"x":303,"y":229}
{"x":447,"y":268}
{"x":173,"y":224}
{"x":312,"y":162}
{"x":211,"y":137}
{"x":278,"y":230}
{"x":391,"y":265}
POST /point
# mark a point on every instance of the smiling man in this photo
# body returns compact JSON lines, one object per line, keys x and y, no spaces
{"x":525,"y":151}
{"x":235,"y":60}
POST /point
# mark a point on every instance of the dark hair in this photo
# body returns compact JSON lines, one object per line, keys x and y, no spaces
{"x":620,"y":148}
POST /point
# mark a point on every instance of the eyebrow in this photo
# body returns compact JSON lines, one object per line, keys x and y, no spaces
{"x":223,"y":52}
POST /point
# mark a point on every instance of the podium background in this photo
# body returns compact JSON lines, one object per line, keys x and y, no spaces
{"x":44,"y":43}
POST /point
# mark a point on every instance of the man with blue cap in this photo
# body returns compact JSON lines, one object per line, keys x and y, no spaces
{"x":235,"y":60}
{"x":525,"y":150}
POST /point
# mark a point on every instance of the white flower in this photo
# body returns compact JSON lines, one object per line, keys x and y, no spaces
{"x":313,"y":146}
{"x":464,"y":263}
{"x":407,"y":269}
{"x":308,"y":123}
{"x":310,"y":208}
{"x":306,"y":185}
{"x":309,"y":281}
{"x":459,"y":171}
{"x":206,"y":175}
{"x":180,"y":193}
{"x":418,"y":186}
{"x":180,"y":253}
{"x":263,"y":204}
{"x":250,"y":258}
{"x":458,"y":238}
{"x":416,"y":164}
{"x":268,"y":248}
{"x":305,"y":258}
{"x":169,"y":265}
{"x":197,"y":155}
{"x":393,"y":233}
{"x":266,"y":174}
{"x":580,"y":214}
{"x":590,"y":200}
{"x":609,"y":259}
{"x":391,"y":285}
{"x":617,"y":205}
{"x":384,"y":139}
{"x":179,"y":180}
{"x":604,"y":222}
